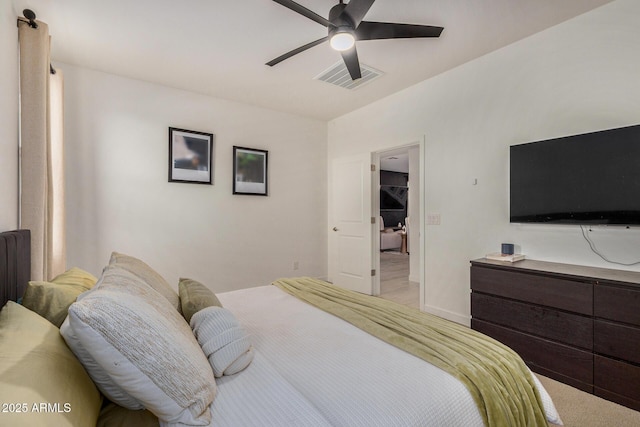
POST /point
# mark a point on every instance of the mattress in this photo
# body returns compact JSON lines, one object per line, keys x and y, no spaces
{"x":339,"y":374}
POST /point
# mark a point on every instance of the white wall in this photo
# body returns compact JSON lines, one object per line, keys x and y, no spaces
{"x":119,"y":197}
{"x":577,"y":77}
{"x":8,"y":117}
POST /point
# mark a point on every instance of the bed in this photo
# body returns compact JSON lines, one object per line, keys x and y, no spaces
{"x":264,"y":357}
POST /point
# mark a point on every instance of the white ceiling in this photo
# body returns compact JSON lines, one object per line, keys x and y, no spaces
{"x":396,"y":160}
{"x":219,"y":48}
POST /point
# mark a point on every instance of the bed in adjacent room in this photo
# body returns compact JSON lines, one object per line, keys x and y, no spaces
{"x":289,"y":354}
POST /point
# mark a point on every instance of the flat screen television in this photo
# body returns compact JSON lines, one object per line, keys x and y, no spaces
{"x":593,"y":178}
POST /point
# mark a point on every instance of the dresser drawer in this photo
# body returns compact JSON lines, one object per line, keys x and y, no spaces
{"x":617,"y":303}
{"x":554,"y":292}
{"x":568,"y":328}
{"x":617,"y":381}
{"x":616,"y":340}
{"x":560,"y":362}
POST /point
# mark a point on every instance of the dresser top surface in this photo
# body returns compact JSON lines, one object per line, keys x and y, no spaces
{"x":569,"y":270}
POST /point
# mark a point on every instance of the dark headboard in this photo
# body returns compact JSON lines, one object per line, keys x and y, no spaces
{"x":15,"y":264}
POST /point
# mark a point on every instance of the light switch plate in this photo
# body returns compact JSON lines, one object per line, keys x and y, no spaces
{"x":433,"y":219}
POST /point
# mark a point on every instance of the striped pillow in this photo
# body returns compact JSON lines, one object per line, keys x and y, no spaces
{"x":225,"y":343}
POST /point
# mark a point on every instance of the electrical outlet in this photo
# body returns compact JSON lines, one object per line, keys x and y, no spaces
{"x":296,"y":265}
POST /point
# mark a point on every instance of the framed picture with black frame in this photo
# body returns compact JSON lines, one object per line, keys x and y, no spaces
{"x":250,"y":171}
{"x":190,"y":156}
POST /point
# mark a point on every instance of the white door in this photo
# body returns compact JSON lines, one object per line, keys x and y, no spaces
{"x":350,"y":234}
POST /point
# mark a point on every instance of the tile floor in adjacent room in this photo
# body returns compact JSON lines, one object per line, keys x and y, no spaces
{"x":394,"y":279}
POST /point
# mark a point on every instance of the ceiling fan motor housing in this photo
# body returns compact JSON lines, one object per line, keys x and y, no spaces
{"x":338,"y":19}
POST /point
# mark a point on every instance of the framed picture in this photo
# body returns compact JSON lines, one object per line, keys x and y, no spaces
{"x":190,"y":156}
{"x":249,"y":171}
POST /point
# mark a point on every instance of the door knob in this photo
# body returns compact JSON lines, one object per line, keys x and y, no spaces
{"x":335,"y":228}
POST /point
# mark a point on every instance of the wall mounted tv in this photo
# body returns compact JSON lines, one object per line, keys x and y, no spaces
{"x":593,"y":178}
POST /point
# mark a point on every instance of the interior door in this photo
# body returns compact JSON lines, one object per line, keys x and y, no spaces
{"x":350,"y":235}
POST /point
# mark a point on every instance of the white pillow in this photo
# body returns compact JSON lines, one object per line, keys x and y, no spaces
{"x":139,"y":350}
{"x":148,"y":275}
{"x":223,"y":340}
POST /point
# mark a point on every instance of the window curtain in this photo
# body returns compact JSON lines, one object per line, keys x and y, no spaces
{"x":42,"y":155}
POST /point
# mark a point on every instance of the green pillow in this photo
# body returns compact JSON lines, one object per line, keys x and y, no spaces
{"x":194,"y":296}
{"x":40,"y":374}
{"x":76,"y":276}
{"x":51,"y":300}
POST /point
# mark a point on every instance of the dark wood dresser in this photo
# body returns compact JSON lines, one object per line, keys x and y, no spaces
{"x":578,"y":325}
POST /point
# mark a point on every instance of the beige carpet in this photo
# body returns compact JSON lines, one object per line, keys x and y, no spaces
{"x":580,"y":409}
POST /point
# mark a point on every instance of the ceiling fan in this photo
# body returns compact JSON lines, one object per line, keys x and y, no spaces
{"x":345,"y":25}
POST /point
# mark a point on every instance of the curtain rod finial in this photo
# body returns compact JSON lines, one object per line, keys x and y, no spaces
{"x":31,"y":17}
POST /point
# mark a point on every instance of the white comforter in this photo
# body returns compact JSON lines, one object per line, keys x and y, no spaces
{"x":313,"y":369}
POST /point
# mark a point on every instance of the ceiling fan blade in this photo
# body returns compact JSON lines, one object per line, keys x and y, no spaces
{"x":357,"y":9}
{"x":386,"y":30}
{"x":296,"y":51}
{"x":350,"y":58}
{"x":304,"y":11}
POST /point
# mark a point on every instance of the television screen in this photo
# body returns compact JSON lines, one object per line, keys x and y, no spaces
{"x":592,"y":178}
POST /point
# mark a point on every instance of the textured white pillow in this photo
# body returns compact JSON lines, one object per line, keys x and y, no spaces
{"x":148,"y":275}
{"x":225,"y":343}
{"x":139,"y":350}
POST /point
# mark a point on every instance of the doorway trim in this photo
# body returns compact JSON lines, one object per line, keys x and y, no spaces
{"x":375,"y":212}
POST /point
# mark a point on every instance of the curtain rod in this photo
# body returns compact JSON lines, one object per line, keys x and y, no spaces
{"x":30,"y":18}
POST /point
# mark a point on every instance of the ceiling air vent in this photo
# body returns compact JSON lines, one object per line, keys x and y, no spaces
{"x":339,"y":75}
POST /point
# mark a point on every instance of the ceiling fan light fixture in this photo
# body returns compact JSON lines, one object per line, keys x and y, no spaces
{"x":342,"y":39}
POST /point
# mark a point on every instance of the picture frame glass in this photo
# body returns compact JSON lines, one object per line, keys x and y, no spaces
{"x":250,"y":171}
{"x":190,"y":156}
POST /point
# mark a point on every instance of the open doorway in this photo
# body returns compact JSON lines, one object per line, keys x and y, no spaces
{"x":400,"y":261}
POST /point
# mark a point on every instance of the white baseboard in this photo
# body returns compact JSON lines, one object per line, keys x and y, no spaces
{"x":449,"y":315}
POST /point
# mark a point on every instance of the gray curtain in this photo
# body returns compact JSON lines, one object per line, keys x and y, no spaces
{"x":42,"y":153}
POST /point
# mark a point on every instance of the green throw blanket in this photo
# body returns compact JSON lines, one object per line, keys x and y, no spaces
{"x":497,"y":378}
